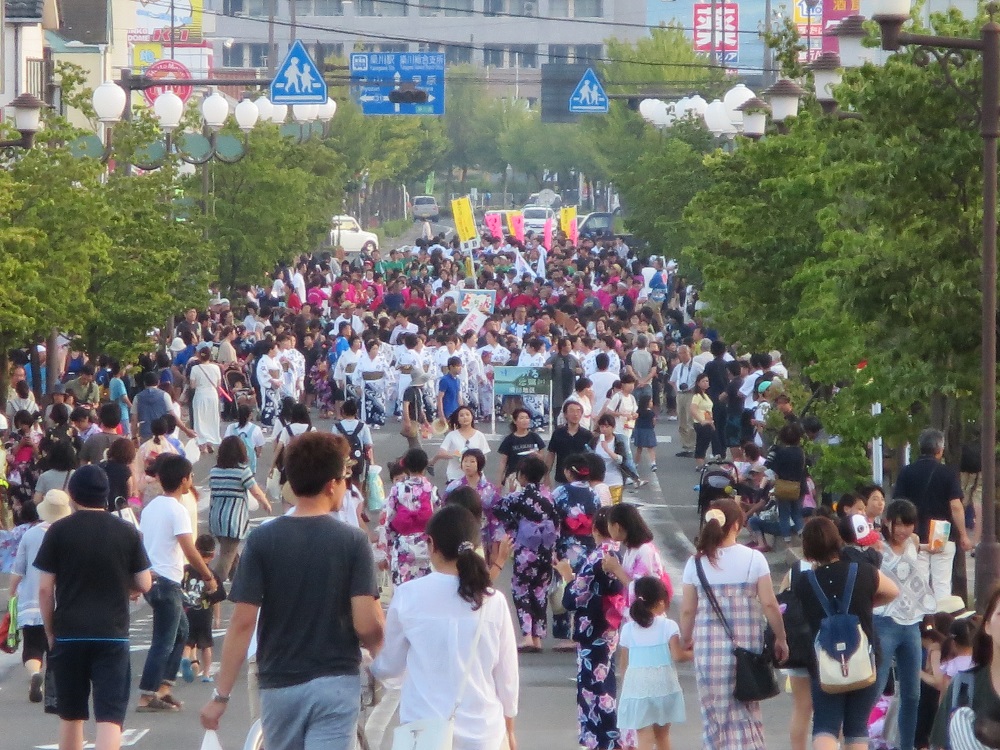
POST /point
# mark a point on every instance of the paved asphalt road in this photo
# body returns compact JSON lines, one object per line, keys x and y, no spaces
{"x":548,"y":713}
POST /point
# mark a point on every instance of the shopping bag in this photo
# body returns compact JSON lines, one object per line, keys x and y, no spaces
{"x":191,"y":451}
{"x":252,"y":504}
{"x":211,"y":741}
{"x":273,"y":486}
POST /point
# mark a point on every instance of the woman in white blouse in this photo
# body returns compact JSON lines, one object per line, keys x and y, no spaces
{"x":463,"y":436}
{"x":431,"y":629}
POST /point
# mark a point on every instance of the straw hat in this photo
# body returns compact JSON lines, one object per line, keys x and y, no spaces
{"x":440,"y":426}
{"x":54,"y":505}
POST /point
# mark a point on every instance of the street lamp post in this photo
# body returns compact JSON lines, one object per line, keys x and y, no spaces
{"x":27,"y":110}
{"x":890,"y":16}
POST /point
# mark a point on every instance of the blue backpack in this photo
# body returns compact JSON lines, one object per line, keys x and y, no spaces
{"x":845,"y":660}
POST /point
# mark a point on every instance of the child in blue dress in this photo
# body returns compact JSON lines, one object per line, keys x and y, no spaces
{"x":651,"y":698}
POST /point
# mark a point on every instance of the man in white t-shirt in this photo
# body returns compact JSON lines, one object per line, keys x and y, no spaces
{"x":601,"y":381}
{"x":168,"y":538}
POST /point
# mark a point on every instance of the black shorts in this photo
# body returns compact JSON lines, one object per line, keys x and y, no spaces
{"x":34,"y":643}
{"x":200,"y":628}
{"x":103,"y":665}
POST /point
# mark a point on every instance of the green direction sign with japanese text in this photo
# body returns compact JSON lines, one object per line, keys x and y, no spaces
{"x":521,"y":381}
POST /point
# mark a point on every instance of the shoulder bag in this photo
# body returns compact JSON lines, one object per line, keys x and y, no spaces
{"x":789,"y":490}
{"x":755,"y":680}
{"x":437,"y":733}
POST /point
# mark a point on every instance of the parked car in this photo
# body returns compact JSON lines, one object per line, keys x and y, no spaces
{"x":426,"y":207}
{"x":535,"y":218}
{"x":597,"y":224}
{"x":346,"y":232}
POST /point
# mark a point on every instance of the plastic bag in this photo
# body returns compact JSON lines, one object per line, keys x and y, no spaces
{"x":375,"y":489}
{"x":273,"y":486}
{"x":211,"y":741}
{"x":191,"y":451}
{"x":252,"y":504}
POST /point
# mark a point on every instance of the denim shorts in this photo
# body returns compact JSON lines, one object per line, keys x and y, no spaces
{"x":847,"y":712}
{"x":102,"y":665}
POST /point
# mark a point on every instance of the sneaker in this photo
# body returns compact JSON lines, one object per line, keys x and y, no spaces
{"x":207,"y":678}
{"x":685,"y":454}
{"x":672,"y":418}
{"x":653,"y":468}
{"x":35,"y":689}
{"x":187,"y":671}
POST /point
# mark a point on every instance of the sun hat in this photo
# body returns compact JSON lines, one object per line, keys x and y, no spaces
{"x":177,"y":345}
{"x":54,"y":505}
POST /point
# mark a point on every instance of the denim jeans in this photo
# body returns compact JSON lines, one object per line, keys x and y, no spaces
{"x":170,"y":632}
{"x":900,"y":644}
{"x":847,"y":712}
{"x":321,"y":714}
{"x":789,"y":517}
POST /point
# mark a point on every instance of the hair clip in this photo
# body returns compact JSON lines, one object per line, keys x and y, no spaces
{"x":714,"y":514}
{"x":465,"y":547}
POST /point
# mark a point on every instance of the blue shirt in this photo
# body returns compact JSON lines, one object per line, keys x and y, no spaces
{"x":341,"y":346}
{"x":449,"y":386}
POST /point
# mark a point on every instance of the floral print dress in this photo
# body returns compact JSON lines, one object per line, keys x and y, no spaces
{"x":402,"y":538}
{"x":493,"y":530}
{"x":319,"y":377}
{"x":530,"y":517}
{"x":576,"y":504}
{"x":596,"y":600}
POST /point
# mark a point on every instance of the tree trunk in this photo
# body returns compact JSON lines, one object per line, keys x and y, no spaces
{"x":53,"y":363}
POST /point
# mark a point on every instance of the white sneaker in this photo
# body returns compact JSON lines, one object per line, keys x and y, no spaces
{"x":672,"y":418}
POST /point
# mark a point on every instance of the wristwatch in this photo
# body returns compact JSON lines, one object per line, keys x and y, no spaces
{"x":217,"y":697}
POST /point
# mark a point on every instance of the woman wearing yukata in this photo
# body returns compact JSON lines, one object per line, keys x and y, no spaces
{"x":402,"y":529}
{"x":530,"y":517}
{"x":576,"y":503}
{"x":595,"y":599}
{"x":371,"y":374}
{"x":473,"y":463}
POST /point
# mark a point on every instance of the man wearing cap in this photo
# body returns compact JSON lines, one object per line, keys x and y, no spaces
{"x":86,"y":616}
{"x":347,"y":314}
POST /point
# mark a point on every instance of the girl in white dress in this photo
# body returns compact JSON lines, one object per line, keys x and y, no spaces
{"x":651,"y":698}
{"x":206,"y":377}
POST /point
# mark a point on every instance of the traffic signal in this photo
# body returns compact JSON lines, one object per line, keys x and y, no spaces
{"x":408,"y":96}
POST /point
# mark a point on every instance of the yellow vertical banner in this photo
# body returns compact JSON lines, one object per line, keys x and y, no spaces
{"x":465,"y":223}
{"x":567,"y":219}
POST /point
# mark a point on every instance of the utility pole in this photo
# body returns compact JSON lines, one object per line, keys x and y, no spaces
{"x":173,"y":27}
{"x":293,"y":18}
{"x":272,"y":50}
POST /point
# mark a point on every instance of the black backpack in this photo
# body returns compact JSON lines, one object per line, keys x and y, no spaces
{"x":357,"y":449}
{"x":800,"y":639}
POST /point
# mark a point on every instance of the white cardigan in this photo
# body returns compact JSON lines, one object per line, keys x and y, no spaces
{"x":428,"y":635}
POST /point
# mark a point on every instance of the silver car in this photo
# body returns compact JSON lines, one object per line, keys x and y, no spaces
{"x":426,"y":207}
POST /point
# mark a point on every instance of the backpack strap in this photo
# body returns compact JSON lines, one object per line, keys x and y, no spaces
{"x":824,"y":602}
{"x":962,"y":687}
{"x":820,"y":596}
{"x":852,"y":577}
{"x":358,"y":429}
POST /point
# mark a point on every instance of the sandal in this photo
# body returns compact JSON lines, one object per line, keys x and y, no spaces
{"x":155,"y":705}
{"x":529,"y":649}
{"x":170,"y":700}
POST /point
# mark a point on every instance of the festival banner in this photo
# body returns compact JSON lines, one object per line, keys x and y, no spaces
{"x":484,"y":300}
{"x":473,"y":322}
{"x":567,"y":219}
{"x":521,"y":381}
{"x":494,"y":225}
{"x":517,"y":225}
{"x":547,"y":233}
{"x":465,"y":223}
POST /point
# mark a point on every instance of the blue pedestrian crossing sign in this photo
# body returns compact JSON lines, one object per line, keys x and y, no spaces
{"x":298,"y":80}
{"x":588,"y":96}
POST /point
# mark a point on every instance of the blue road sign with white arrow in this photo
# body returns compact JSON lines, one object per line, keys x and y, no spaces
{"x":374,"y":75}
{"x":298,"y":80}
{"x":588,"y":97}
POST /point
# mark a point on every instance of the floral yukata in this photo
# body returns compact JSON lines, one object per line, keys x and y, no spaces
{"x":493,"y":531}
{"x":530,"y":517}
{"x":402,"y":537}
{"x":576,"y":504}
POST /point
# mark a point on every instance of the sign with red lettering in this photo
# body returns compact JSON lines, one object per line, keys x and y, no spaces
{"x":167,"y":71}
{"x":722,"y":34}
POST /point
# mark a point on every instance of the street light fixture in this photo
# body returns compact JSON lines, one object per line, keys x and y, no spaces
{"x":754,"y":117}
{"x":264,"y":107}
{"x":826,"y":76}
{"x":109,"y":101}
{"x":734,"y":99}
{"x":279,"y":112}
{"x":168,"y":108}
{"x":27,"y":110}
{"x":247,"y":114}
{"x":215,"y":111}
{"x":784,"y":97}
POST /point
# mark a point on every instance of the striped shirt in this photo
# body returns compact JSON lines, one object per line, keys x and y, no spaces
{"x":228,"y":512}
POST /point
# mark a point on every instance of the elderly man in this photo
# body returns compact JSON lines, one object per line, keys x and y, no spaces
{"x":683,"y":378}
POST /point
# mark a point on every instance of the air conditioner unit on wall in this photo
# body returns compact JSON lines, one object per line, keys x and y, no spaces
{"x":529,"y":9}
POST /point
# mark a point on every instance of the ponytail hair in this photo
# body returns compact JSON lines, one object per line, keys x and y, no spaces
{"x":455,"y":533}
{"x":719,"y":521}
{"x":243,"y":414}
{"x":649,"y":591}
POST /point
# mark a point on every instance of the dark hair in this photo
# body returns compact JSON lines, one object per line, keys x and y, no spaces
{"x":565,"y":406}
{"x":62,"y":456}
{"x":718,"y":348}
{"x":22,"y":389}
{"x":533,"y":469}
{"x":395,"y":468}
{"x":455,"y":533}
{"x":349,"y":408}
{"x":415,"y":461}
{"x":299,"y":414}
{"x":866,"y":491}
{"x":158,"y":428}
{"x":172,"y":471}
{"x":606,"y":420}
{"x":962,"y":632}
{"x":900,"y":511}
{"x":846,"y":500}
{"x":790,"y":434}
{"x":627,"y":516}
{"x":243,"y":414}
{"x":205,"y":544}
{"x":78,"y":414}
{"x":478,"y":455}
{"x":514,"y":415}
{"x":29,"y":512}
{"x":982,"y":643}
{"x":601,"y":521}
{"x":232,"y":453}
{"x":713,"y":533}
{"x":598,"y":470}
{"x":109,"y":415}
{"x":578,"y":466}
{"x":649,"y":591}
{"x":122,"y":451}
{"x":453,"y":419}
{"x":468,"y":498}
{"x":59,"y":414}
{"x":821,"y":540}
{"x":603,"y":361}
{"x":313,"y":459}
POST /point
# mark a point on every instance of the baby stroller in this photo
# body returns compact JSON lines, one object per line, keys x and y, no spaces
{"x":239,"y":386}
{"x":718,"y":481}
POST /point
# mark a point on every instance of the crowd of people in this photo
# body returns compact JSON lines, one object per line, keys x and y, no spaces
{"x":407,"y":568}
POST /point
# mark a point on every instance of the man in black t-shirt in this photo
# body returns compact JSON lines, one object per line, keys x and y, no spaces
{"x":936,"y":491}
{"x":568,"y":440}
{"x":84,"y":598}
{"x":311,"y":579}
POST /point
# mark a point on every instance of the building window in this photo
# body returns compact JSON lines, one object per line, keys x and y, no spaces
{"x":587,"y":53}
{"x":524,"y":7}
{"x":234,"y":57}
{"x":559,"y":54}
{"x":493,"y":57}
{"x":523,"y":56}
{"x":303,"y":7}
{"x":587,"y":8}
{"x":453,"y":7}
{"x":378,"y":8}
{"x":258,"y":55}
{"x":329,"y":8}
{"x":559,"y":8}
{"x":494,"y":7}
{"x":256,"y":7}
{"x":233,"y":7}
{"x":427,"y":47}
{"x":457,"y":55}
